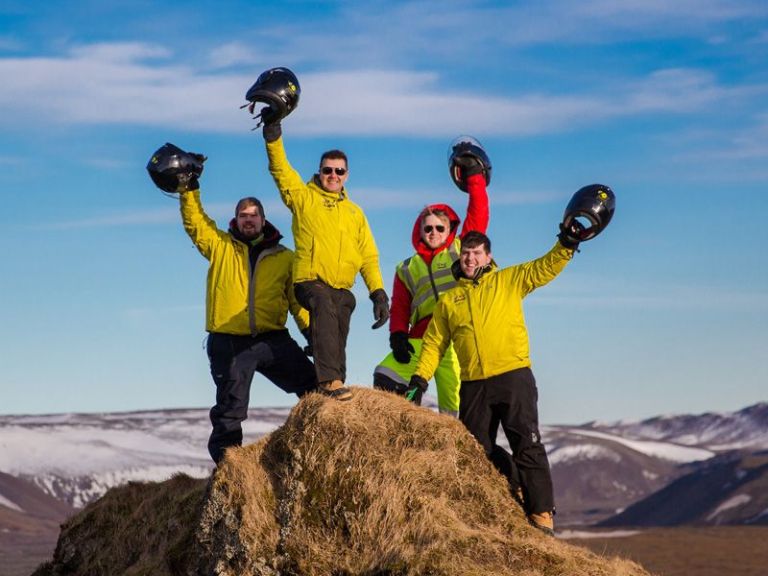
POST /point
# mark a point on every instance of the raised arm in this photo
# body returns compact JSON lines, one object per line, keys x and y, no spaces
{"x":198,"y":225}
{"x":478,"y":213}
{"x":288,"y":181}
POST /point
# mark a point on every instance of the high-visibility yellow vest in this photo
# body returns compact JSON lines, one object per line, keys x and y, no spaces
{"x":427,"y":282}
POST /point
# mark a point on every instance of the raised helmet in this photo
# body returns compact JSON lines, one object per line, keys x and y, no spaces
{"x":593,"y":206}
{"x":467,"y":146}
{"x":278,"y":88}
{"x":168,"y":162}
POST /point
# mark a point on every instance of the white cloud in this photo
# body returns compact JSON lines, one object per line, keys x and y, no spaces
{"x":220,"y":212}
{"x":135,"y":84}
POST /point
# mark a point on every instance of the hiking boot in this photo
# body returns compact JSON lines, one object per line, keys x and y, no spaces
{"x":544,"y":521}
{"x":335,"y":389}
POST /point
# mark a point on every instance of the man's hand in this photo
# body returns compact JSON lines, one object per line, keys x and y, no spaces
{"x":401,"y":347}
{"x":416,"y":388}
{"x":187,"y":182}
{"x":272,"y":129}
{"x":380,"y":307}
{"x":467,"y":166}
{"x":570,"y":236}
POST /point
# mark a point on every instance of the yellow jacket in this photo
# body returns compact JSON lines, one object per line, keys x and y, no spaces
{"x":331,"y":234}
{"x":238,"y":300}
{"x":484,"y":319}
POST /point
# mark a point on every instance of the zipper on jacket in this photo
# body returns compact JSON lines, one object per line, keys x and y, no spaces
{"x":432,"y":281}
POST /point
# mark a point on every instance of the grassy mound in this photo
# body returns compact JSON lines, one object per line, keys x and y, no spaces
{"x":374,"y":486}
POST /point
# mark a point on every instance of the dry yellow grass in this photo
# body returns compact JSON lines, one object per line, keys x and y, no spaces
{"x":378,"y":486}
{"x":374,"y":486}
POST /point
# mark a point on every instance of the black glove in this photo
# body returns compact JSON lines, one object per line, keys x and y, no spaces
{"x":401,"y":347}
{"x":187,"y":182}
{"x":467,"y":166}
{"x":416,"y":388}
{"x":308,"y":350}
{"x":271,"y":120}
{"x":380,"y":308}
{"x":570,"y":236}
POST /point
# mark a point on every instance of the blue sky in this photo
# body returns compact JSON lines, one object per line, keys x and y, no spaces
{"x":102,"y":293}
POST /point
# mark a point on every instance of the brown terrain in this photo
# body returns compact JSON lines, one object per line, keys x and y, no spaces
{"x":28,"y":537}
{"x":688,"y":551}
{"x":721,"y":551}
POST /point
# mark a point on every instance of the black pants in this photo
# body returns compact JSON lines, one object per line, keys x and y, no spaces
{"x":330,"y":310}
{"x":234,"y":359}
{"x":510,"y":400}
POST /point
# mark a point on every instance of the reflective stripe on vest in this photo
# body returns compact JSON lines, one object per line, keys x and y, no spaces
{"x":426,"y":283}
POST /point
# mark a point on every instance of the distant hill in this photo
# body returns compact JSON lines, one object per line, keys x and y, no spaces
{"x":730,"y":489}
{"x":29,"y":524}
{"x":599,"y":469}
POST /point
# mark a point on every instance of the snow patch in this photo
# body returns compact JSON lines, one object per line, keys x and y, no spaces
{"x":8,"y":504}
{"x":733,"y":502}
{"x":648,"y":475}
{"x":664,"y":450}
{"x":576,"y":534}
{"x":580,"y":452}
{"x":81,"y":490}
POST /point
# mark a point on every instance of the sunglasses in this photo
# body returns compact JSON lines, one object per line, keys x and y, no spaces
{"x":428,"y":228}
{"x":327,"y":170}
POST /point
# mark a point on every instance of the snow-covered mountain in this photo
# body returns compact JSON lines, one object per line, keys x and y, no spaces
{"x":78,"y":457}
{"x":599,"y":468}
{"x":742,"y":430}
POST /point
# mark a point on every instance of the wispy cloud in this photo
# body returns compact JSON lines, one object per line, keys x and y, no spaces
{"x":220,"y":212}
{"x":159,"y":216}
{"x":135,"y":84}
{"x":609,"y":292}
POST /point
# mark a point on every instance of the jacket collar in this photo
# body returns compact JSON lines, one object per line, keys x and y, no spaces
{"x":337,"y":196}
{"x":480,"y":273}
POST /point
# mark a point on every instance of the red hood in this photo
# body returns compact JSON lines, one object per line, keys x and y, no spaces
{"x":422,"y":249}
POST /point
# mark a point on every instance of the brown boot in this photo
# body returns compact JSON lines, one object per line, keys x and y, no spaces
{"x":335,"y":389}
{"x":544,"y":521}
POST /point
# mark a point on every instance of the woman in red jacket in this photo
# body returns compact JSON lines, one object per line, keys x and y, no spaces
{"x":422,"y":278}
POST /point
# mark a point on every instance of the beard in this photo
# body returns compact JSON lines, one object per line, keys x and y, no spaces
{"x":249,"y":231}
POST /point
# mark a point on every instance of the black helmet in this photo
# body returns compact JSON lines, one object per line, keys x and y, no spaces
{"x":277,"y":87}
{"x":593,"y":207}
{"x":467,"y":146}
{"x":168,"y":162}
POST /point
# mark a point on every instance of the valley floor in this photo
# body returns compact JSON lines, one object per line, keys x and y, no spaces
{"x":21,"y":554}
{"x":719,"y":551}
{"x":686,"y":551}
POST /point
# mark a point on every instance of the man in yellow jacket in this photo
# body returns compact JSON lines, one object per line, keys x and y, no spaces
{"x":483,"y":317}
{"x":333,"y":244}
{"x":249,"y":294}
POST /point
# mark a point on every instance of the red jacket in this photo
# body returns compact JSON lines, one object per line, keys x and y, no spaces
{"x":476,"y":219}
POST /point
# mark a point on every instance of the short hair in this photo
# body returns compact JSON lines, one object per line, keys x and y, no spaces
{"x":473,"y":239}
{"x":438,"y":212}
{"x":249,"y":201}
{"x":334,"y":155}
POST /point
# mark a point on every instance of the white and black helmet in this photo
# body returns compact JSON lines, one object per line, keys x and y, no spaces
{"x":463,"y":147}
